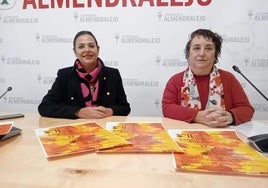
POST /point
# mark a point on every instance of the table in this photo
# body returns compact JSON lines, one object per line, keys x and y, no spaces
{"x":23,"y":164}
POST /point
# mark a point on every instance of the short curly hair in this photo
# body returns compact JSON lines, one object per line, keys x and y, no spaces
{"x":216,"y":39}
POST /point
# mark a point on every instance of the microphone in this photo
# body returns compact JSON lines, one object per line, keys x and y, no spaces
{"x":8,"y":89}
{"x":238,"y":70}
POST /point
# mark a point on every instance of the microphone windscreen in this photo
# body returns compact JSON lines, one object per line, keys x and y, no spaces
{"x":236,"y":69}
{"x":9,"y":88}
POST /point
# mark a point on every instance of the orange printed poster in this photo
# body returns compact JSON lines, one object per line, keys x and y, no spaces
{"x":217,"y":151}
{"x":76,"y":138}
{"x":5,"y":127}
{"x":143,"y":136}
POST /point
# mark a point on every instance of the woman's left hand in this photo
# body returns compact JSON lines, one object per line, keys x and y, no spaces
{"x":218,"y":117}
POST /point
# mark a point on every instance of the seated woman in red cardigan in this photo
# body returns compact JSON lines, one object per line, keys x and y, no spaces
{"x":203,"y":93}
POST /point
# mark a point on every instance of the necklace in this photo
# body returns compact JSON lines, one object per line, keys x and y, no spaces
{"x":92,"y":88}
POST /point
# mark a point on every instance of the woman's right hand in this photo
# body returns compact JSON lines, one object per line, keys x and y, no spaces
{"x":94,"y":112}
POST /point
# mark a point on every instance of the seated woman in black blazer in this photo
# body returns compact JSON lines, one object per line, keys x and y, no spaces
{"x":88,"y":89}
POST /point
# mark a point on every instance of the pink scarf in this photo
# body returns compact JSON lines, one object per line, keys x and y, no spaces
{"x":89,"y":82}
{"x":189,"y":92}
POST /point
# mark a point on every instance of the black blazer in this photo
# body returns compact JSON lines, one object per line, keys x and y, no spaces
{"x":65,"y":96}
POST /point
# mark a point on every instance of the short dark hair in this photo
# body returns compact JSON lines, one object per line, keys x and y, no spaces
{"x":84,"y":33}
{"x":216,"y":39}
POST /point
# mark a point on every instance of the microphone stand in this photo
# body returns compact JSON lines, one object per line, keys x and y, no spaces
{"x":10,"y":116}
{"x":3,"y":94}
{"x":8,"y":89}
{"x":237,"y":70}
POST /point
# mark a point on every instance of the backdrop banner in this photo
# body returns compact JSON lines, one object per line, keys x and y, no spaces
{"x":144,"y":39}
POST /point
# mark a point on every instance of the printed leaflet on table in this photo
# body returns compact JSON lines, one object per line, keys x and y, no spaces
{"x":76,"y":138}
{"x":5,"y":127}
{"x":144,"y":137}
{"x":217,"y":151}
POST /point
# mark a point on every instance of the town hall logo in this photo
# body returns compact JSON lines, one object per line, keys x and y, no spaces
{"x":7,"y":4}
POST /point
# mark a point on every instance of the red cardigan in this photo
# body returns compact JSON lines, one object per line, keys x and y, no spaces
{"x":235,"y":98}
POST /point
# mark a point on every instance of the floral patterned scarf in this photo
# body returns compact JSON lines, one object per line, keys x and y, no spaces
{"x":189,"y":92}
{"x":89,"y":82}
